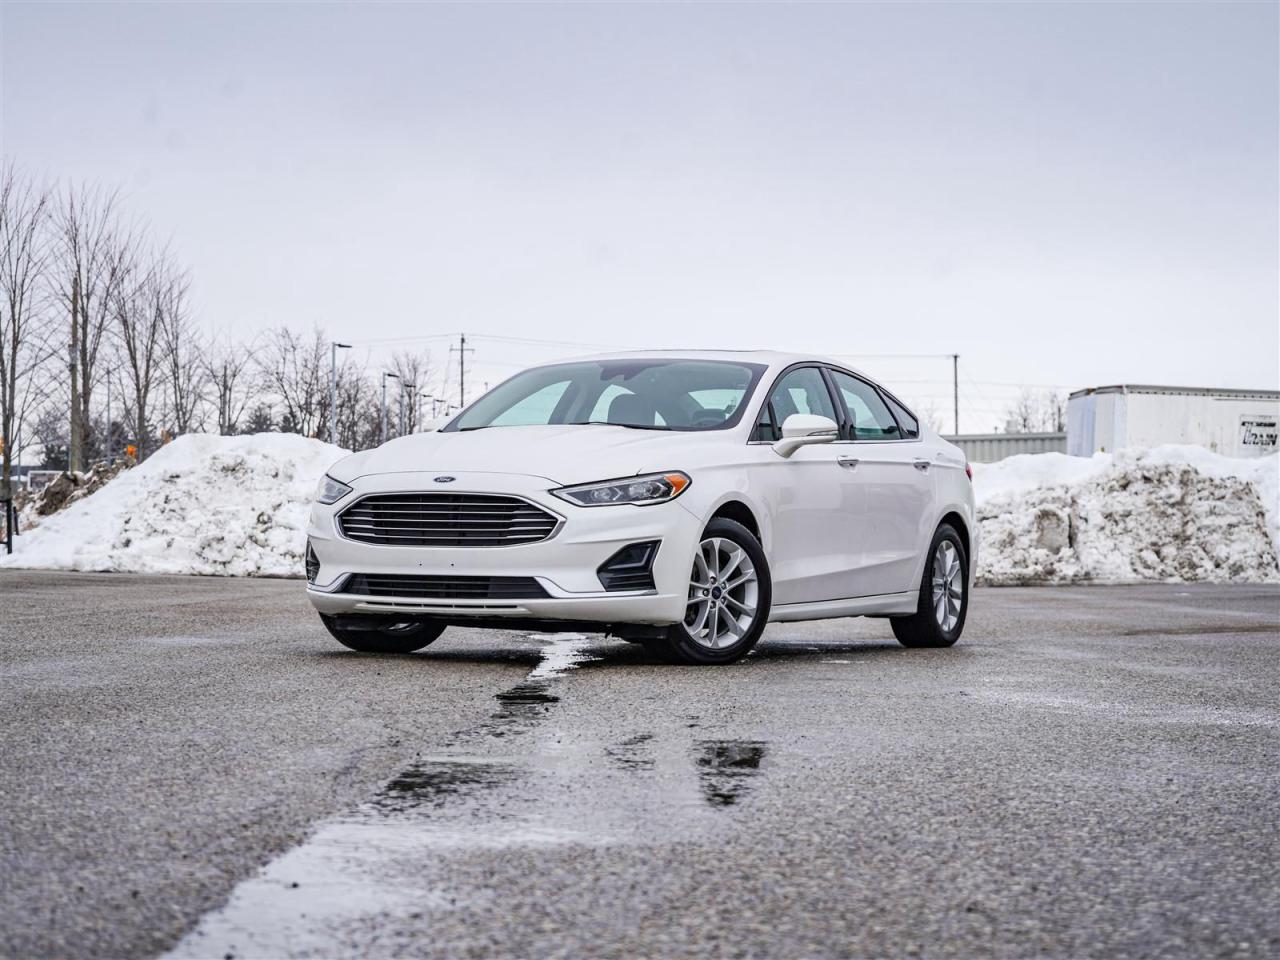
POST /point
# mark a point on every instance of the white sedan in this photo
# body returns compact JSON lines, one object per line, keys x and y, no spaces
{"x":678,"y":499}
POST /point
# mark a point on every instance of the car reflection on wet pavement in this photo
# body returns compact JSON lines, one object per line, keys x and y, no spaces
{"x":504,"y":786}
{"x":725,"y":768}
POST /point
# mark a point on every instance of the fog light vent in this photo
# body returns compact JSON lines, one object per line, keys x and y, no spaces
{"x":313,"y":564}
{"x":631,"y":568}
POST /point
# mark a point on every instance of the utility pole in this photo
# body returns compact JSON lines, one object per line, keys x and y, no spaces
{"x":955,"y":391}
{"x":463,"y":350}
{"x":334,"y":347}
{"x":73,"y":448}
{"x":108,"y":447}
{"x":383,"y":406}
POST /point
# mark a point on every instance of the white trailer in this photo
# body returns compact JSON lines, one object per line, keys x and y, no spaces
{"x":1236,"y":423}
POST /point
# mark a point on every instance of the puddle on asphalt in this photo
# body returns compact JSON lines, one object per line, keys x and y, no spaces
{"x":381,"y":862}
{"x":726,"y":768}
{"x":634,"y":753}
{"x":433,"y":783}
{"x":524,"y":705}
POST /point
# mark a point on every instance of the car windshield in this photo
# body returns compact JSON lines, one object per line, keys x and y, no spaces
{"x":642,"y":394}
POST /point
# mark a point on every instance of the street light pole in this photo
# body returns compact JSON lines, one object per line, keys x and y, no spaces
{"x":333,"y":388}
{"x":955,"y":392}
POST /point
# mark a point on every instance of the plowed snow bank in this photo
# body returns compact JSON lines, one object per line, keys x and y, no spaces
{"x":237,"y":506}
{"x":1172,"y":513}
{"x":230,"y":506}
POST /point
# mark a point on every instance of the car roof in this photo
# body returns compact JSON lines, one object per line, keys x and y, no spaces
{"x":775,"y":359}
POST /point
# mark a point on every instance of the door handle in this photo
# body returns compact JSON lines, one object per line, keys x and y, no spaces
{"x":921,"y":464}
{"x":847,"y":462}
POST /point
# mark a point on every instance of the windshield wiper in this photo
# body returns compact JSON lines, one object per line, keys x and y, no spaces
{"x":606,"y":423}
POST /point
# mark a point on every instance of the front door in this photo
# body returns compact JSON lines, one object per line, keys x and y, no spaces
{"x":817,"y":508}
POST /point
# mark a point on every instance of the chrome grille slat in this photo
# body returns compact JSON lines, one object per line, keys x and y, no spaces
{"x":446,"y":519}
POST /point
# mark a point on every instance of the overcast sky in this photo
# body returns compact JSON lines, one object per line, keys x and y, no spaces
{"x":1064,"y":194}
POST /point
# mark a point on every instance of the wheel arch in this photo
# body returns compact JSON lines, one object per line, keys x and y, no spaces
{"x":739,"y":512}
{"x":957,"y":520}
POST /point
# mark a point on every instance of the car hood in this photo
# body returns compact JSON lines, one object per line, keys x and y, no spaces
{"x":563,"y":454}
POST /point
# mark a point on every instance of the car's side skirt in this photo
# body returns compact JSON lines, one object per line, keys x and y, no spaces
{"x":888,"y":603}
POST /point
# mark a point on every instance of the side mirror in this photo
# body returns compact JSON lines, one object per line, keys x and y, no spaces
{"x":431,"y":426}
{"x":801,"y":429}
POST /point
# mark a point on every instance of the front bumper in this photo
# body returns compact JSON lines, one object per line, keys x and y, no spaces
{"x":564,"y":565}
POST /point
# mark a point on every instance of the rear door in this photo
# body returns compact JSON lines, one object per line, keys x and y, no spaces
{"x":895,"y":477}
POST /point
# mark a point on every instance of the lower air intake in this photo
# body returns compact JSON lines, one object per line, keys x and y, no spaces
{"x":443,"y":588}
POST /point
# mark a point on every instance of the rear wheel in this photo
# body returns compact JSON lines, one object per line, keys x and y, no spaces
{"x":730,"y":593}
{"x":944,"y":595}
{"x":375,"y":635}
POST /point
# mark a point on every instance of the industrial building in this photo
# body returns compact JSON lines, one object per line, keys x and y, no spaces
{"x":1235,"y":423}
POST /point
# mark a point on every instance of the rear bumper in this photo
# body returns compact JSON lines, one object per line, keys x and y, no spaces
{"x":564,"y":565}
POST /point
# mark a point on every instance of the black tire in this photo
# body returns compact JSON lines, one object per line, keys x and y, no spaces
{"x":376,"y":636}
{"x":680,"y":646}
{"x":923,"y":628}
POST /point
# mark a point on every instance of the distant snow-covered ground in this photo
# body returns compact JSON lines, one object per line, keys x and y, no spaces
{"x":224,"y":506}
{"x":237,"y":506}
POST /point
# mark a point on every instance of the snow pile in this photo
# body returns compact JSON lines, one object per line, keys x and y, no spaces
{"x":229,"y":506}
{"x":63,"y":491}
{"x":237,"y":506}
{"x":1172,"y":513}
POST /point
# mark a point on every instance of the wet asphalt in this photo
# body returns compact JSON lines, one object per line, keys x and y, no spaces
{"x":192,"y":765}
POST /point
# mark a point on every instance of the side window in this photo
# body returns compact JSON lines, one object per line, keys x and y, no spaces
{"x":534,"y":409}
{"x":871,"y":418}
{"x":906,"y":420}
{"x":800,"y":391}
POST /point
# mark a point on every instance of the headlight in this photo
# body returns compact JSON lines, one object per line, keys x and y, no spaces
{"x":641,"y":491}
{"x":330,"y":490}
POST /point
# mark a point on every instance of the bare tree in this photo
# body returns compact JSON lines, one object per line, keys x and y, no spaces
{"x":49,"y":429}
{"x":24,"y":253}
{"x":92,"y":265}
{"x":358,"y":422}
{"x":295,"y":370}
{"x":140,"y":311}
{"x":185,"y":376}
{"x":928,"y":412}
{"x":1037,"y":413}
{"x":415,"y":372}
{"x":226,"y":370}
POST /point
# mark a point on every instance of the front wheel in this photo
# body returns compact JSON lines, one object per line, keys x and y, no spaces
{"x":373,"y":635}
{"x":944,"y":595}
{"x":730,"y":593}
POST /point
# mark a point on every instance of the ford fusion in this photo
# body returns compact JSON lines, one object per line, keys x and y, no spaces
{"x":679,"y":500}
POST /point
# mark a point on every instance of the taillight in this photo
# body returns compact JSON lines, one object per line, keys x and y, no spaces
{"x":968,"y":470}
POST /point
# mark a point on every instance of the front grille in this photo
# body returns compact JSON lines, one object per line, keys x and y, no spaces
{"x":446,"y":520}
{"x":443,"y":588}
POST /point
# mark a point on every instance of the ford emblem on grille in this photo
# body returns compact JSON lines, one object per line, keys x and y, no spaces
{"x":445,"y":479}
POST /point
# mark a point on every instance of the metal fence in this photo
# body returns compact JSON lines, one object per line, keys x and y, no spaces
{"x":990,"y":447}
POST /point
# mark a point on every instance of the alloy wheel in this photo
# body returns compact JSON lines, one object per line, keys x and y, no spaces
{"x":724,"y":592}
{"x":948,"y":585}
